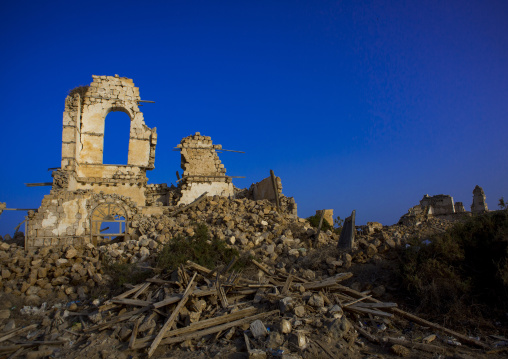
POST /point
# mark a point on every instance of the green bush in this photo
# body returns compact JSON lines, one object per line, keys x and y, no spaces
{"x":314,"y":222}
{"x":199,"y":248}
{"x":461,"y":270}
{"x":122,"y":273}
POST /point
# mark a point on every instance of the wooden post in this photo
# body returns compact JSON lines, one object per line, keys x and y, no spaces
{"x":177,"y":175}
{"x":172,"y":318}
{"x":275,"y":190}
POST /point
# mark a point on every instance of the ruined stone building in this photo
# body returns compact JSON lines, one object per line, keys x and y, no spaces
{"x":88,"y":195}
{"x":479,"y":201}
{"x":439,"y":204}
{"x":444,"y":206}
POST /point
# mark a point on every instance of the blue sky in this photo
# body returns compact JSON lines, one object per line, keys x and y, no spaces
{"x":364,"y":105}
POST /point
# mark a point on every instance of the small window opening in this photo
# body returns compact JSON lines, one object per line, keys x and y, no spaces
{"x":116,"y":138}
{"x":113,"y":227}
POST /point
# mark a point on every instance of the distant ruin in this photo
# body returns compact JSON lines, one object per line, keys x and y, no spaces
{"x":479,"y":201}
{"x":87,"y":195}
{"x":443,"y":206}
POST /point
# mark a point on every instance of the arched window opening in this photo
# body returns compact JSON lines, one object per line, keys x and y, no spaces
{"x":116,"y":138}
{"x":108,"y":221}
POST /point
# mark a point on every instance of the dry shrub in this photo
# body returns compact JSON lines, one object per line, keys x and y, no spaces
{"x":462,"y":273}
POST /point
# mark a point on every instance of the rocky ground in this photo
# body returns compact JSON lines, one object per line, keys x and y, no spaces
{"x":62,"y":302}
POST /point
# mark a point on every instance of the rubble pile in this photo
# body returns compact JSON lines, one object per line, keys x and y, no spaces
{"x":375,"y":240}
{"x":198,"y":312}
{"x":253,"y":227}
{"x":62,"y":274}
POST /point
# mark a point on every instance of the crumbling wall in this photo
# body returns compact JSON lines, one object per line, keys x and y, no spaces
{"x":265,"y":190}
{"x":83,"y":180}
{"x":202,"y":169}
{"x":83,"y":140}
{"x":459,"y":207}
{"x":64,"y":218}
{"x":441,"y":204}
{"x":479,"y":201}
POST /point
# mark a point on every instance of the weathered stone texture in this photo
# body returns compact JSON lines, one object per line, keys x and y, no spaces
{"x":87,"y":193}
{"x":479,"y":201}
{"x":202,"y":169}
{"x":264,"y":189}
{"x":440,"y":204}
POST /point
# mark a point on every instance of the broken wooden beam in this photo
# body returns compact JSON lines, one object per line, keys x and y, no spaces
{"x":203,"y":324}
{"x":195,"y":202}
{"x":217,"y":328}
{"x":40,"y":184}
{"x":328,"y":282}
{"x":421,"y":321}
{"x":169,"y":323}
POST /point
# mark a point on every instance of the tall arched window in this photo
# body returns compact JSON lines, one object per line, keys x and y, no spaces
{"x":116,"y":138}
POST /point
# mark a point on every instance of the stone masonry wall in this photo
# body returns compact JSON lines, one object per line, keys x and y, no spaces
{"x":202,"y":169}
{"x":479,"y":201}
{"x":441,"y":204}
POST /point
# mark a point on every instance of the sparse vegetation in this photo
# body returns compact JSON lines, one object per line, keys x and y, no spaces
{"x":338,"y":222}
{"x":502,"y":204}
{"x":461,"y":273}
{"x":122,"y":272}
{"x":314,"y":222}
{"x":199,"y":248}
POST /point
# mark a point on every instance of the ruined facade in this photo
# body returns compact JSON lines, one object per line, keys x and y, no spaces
{"x":90,"y":200}
{"x":443,"y":206}
{"x":440,"y":204}
{"x":202,"y":169}
{"x":86,"y":192}
{"x":479,"y":201}
{"x":459,"y":207}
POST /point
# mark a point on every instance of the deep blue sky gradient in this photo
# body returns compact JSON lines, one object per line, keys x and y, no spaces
{"x":356,"y":105}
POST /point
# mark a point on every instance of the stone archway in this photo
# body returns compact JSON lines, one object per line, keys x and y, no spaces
{"x":108,"y":219}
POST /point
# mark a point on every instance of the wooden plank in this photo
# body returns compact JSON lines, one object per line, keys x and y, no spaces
{"x":12,"y":348}
{"x":132,"y":340}
{"x":409,"y":344}
{"x":18,"y":331}
{"x":262,"y":267}
{"x":285,"y":289}
{"x":19,"y":209}
{"x":328,"y":282}
{"x":129,"y":292}
{"x":366,"y":334}
{"x":198,"y":267}
{"x":379,"y":313}
{"x":135,"y":302}
{"x":172,"y":318}
{"x":205,"y":148}
{"x":217,"y":328}
{"x":195,"y":202}
{"x":160,"y":281}
{"x":421,"y":321}
{"x":141,"y":290}
{"x":202,"y":324}
{"x":322,"y":346}
{"x":377,"y":305}
{"x":118,"y":319}
{"x":41,"y":184}
{"x":222,"y":296}
{"x":356,"y":301}
{"x":177,"y":297}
